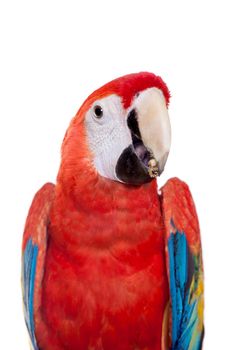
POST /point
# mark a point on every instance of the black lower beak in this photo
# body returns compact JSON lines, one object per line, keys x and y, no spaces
{"x":132,"y":165}
{"x":130,"y":169}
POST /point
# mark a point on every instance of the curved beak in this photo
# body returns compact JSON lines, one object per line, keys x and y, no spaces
{"x":149,"y":125}
{"x":153,"y":128}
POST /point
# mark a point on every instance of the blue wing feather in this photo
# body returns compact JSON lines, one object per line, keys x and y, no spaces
{"x":34,"y":251}
{"x":29,"y":270}
{"x":183,"y":284}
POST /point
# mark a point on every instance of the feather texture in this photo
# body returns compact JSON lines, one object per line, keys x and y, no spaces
{"x":33,"y":259}
{"x":28,"y":283}
{"x":95,"y":272}
{"x":184,"y":286}
{"x":184,"y":265}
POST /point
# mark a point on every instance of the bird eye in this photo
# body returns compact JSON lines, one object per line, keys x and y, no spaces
{"x":98,"y":112}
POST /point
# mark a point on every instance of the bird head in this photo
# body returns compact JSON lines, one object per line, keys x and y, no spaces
{"x":121,"y":133}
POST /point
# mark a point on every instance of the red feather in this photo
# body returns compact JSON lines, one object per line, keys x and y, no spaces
{"x":105,"y":284}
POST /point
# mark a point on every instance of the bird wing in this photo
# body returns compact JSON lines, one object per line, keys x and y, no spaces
{"x":33,"y":255}
{"x":184,"y":266}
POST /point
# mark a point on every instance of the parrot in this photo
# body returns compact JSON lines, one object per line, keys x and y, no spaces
{"x":109,"y":260}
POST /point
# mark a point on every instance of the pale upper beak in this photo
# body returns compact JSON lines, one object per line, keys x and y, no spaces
{"x":154,"y":124}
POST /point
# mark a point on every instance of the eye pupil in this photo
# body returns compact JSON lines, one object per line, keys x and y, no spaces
{"x":98,"y":111}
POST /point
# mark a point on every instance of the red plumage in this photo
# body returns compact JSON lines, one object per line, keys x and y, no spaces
{"x":109,"y":282}
{"x":104,"y":283}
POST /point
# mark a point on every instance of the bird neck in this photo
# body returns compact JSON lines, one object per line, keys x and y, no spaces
{"x":101,"y":195}
{"x":104,"y":215}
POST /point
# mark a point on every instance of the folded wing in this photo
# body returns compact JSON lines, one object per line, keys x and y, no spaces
{"x":33,"y":257}
{"x":184,"y":266}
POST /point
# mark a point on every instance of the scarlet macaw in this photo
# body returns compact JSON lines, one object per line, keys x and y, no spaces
{"x":109,"y":262}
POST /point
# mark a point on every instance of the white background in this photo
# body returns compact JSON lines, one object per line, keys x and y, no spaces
{"x":54,"y":54}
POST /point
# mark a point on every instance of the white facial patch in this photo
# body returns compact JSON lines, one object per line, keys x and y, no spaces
{"x":108,"y":134}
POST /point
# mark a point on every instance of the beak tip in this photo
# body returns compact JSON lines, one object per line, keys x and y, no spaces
{"x":162,"y":162}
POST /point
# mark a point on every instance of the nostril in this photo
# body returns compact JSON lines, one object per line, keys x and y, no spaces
{"x":133,"y":123}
